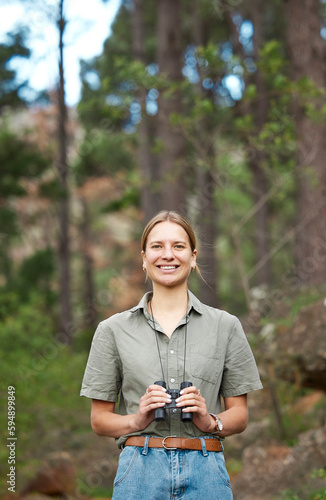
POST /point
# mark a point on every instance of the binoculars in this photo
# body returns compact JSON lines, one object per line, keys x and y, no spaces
{"x":160,"y":413}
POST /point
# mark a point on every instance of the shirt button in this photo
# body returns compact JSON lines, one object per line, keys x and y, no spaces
{"x":171,"y":351}
{"x":172,"y":380}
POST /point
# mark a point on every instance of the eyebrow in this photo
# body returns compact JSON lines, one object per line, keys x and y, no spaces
{"x":175,"y":242}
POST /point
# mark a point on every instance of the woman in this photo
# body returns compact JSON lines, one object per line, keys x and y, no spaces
{"x":170,"y":438}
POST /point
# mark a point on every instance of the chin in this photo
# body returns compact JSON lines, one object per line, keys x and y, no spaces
{"x":170,"y":283}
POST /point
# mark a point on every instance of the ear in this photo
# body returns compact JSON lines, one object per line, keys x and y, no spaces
{"x":193,"y":259}
{"x":143,"y":257}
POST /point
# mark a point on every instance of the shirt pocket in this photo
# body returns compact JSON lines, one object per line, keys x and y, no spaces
{"x":204,"y":365}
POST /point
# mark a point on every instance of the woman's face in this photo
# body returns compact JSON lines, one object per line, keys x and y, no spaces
{"x":168,"y":257}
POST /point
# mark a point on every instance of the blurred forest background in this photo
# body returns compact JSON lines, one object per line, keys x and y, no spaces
{"x":213,"y":108}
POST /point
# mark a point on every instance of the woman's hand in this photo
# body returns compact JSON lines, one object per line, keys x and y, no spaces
{"x":192,"y":401}
{"x":154,"y":397}
{"x":107,"y":423}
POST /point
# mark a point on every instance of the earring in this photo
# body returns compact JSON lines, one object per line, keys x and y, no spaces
{"x":144,"y":269}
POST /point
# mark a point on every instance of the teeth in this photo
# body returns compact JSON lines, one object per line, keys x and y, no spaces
{"x":167,"y":267}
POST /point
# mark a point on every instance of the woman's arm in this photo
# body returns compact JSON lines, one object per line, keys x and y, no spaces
{"x":105,"y":422}
{"x":235,"y":416}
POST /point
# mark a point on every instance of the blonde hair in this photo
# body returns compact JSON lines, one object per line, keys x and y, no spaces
{"x":167,"y":216}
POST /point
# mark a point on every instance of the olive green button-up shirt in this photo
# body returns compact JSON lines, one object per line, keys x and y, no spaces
{"x":208,"y":344}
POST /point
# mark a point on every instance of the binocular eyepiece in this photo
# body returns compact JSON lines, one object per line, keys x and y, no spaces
{"x":160,"y":413}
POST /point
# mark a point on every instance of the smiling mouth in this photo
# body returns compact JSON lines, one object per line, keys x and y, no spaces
{"x":167,"y":268}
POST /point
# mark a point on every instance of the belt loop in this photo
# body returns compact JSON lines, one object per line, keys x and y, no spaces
{"x":203,"y":447}
{"x":145,"y":448}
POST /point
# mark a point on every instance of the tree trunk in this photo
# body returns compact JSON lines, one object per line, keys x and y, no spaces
{"x":256,"y":158}
{"x":207,"y":222}
{"x":171,"y":162}
{"x":146,"y":160}
{"x":89,"y":313}
{"x":261,"y":239}
{"x":207,"y":214}
{"x":64,"y":243}
{"x":306,"y":53}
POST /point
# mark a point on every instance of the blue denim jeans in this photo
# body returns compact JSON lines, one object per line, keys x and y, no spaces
{"x":159,"y":474}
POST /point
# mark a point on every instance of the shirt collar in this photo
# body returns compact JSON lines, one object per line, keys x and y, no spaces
{"x":193,"y":303}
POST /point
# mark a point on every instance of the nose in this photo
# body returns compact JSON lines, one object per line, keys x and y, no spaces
{"x":167,"y":253}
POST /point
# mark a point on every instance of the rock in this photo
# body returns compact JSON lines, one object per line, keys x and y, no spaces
{"x":305,"y":343}
{"x":268,"y":470}
{"x":57,"y":477}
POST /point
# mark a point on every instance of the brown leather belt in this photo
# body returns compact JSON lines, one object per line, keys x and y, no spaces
{"x":175,"y":443}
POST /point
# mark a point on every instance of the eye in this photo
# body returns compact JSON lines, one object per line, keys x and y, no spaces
{"x":179,"y":246}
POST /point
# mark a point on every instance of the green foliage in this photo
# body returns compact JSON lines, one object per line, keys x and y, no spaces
{"x":19,"y":160}
{"x":46,"y":377}
{"x":319,"y":494}
{"x":136,"y":75}
{"x":311,"y":98}
{"x":19,"y":327}
{"x":209,"y":56}
{"x":319,"y":473}
{"x":130,"y":197}
{"x":275,"y":137}
{"x":95,"y":491}
{"x":245,"y":124}
{"x":290,"y":495}
{"x":8,"y":222}
{"x":52,"y":190}
{"x":272,"y":62}
{"x":293,"y":425}
{"x":9,"y":302}
{"x":109,"y":69}
{"x":157,"y":146}
{"x":103,"y":152}
{"x":303,"y":299}
{"x":250,"y":91}
{"x":234,"y":466}
{"x":294,"y":301}
{"x":9,"y":86}
{"x":36,"y":273}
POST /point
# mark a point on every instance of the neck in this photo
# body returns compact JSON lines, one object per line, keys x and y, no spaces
{"x":170,"y":301}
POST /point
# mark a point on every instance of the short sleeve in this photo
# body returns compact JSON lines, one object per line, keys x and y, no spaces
{"x":240,"y":374}
{"x":102,"y":377}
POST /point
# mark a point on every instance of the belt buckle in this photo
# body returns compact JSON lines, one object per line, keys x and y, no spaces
{"x":168,"y":447}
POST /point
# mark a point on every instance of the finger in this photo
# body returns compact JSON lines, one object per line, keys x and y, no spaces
{"x":193,"y":409}
{"x":152,"y":406}
{"x":190,"y":402}
{"x":188,"y":390}
{"x":155,"y":387}
{"x":186,"y":398}
{"x":159,"y":398}
{"x":155,"y":397}
{"x":198,"y":408}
